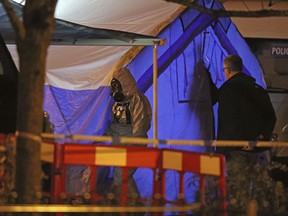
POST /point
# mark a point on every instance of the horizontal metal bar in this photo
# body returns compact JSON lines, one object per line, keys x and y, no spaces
{"x":145,"y":141}
{"x":93,"y":208}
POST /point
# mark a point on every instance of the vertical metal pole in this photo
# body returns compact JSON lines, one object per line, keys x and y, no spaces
{"x":155,"y":99}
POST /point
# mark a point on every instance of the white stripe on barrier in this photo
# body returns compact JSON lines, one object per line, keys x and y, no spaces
{"x":47,"y":152}
{"x":111,"y":156}
{"x":172,"y":160}
{"x":210,"y":165}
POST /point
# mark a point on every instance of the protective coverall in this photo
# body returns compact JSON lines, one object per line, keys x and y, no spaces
{"x":131,"y":117}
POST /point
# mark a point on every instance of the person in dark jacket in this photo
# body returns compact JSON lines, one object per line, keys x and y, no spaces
{"x":245,"y":113}
{"x":239,"y":112}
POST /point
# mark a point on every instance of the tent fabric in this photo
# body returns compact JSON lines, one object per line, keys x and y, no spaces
{"x":77,"y":85}
{"x":139,"y":16}
{"x":68,"y":33}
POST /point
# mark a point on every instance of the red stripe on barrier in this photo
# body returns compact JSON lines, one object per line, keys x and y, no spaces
{"x":143,"y":157}
{"x":79,"y":154}
{"x":191,"y":162}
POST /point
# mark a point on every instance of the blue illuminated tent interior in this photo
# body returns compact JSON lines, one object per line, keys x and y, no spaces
{"x":195,"y":43}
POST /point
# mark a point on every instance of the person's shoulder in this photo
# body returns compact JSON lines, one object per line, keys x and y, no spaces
{"x":243,"y":79}
{"x":138,"y":96}
{"x":238,"y":83}
{"x":261,"y":91}
{"x":142,"y":101}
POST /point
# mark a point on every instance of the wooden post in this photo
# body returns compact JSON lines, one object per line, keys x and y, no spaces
{"x":252,"y":208}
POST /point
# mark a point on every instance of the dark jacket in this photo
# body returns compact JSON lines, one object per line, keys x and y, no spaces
{"x":238,"y":111}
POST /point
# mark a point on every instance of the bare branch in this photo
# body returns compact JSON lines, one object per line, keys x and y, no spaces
{"x":224,"y":13}
{"x":16,"y":23}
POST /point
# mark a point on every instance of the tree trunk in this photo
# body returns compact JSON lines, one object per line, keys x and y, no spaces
{"x":38,"y":19}
{"x":29,"y":119}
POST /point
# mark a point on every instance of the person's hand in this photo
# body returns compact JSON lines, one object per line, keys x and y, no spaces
{"x":261,"y":137}
{"x":248,"y":148}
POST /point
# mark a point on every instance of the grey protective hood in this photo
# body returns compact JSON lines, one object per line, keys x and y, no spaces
{"x":128,"y":83}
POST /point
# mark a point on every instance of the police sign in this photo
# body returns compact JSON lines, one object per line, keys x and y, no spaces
{"x":279,"y":50}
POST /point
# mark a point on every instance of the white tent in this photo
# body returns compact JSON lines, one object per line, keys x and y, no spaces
{"x":140,"y":17}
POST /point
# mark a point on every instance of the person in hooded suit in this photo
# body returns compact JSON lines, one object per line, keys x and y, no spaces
{"x":131,"y":117}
